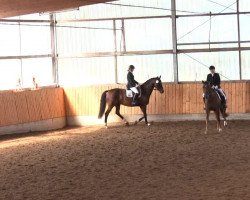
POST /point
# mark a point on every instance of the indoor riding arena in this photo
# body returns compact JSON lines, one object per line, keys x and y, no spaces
{"x":65,"y":64}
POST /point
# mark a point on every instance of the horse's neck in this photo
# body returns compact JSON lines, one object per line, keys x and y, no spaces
{"x":212,"y":93}
{"x":148,"y":88}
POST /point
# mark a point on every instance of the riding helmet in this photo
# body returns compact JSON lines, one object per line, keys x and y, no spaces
{"x":211,"y":67}
{"x":131,"y":67}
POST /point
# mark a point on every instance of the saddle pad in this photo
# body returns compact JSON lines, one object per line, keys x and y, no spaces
{"x":129,"y":93}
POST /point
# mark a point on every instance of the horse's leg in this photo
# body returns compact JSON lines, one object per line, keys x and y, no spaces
{"x":224,"y":115}
{"x":217,"y":114}
{"x":144,"y":110}
{"x":119,"y":114}
{"x":207,"y":118}
{"x":107,"y":114}
{"x":139,"y":120}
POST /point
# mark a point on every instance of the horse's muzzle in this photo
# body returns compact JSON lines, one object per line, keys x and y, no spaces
{"x":161,"y":91}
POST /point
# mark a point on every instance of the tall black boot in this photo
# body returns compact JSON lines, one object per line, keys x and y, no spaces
{"x":134,"y":102}
{"x":223,"y":101}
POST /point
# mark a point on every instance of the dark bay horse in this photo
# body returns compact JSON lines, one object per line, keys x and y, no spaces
{"x":117,"y":97}
{"x":213,"y":103}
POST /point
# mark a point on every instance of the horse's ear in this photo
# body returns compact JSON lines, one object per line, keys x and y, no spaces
{"x":203,"y":82}
{"x":160,"y":77}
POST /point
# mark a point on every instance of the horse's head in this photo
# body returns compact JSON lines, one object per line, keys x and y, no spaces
{"x":158,"y":84}
{"x":207,"y":88}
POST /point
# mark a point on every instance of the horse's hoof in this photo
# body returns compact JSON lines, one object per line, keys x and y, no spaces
{"x":225,"y":123}
{"x":220,"y":129}
{"x":136,"y":122}
{"x":205,"y":132}
{"x":126,"y":124}
{"x":148,"y":124}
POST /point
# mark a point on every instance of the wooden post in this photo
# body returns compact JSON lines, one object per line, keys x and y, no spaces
{"x":239,"y":43}
{"x":115,"y":48}
{"x":174,"y":40}
{"x":54,"y":49}
{"x":123,"y":36}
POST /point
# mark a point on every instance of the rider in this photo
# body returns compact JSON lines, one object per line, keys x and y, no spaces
{"x":214,"y":79}
{"x":132,"y":84}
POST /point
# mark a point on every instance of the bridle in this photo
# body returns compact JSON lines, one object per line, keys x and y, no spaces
{"x":156,"y":85}
{"x":207,"y":93}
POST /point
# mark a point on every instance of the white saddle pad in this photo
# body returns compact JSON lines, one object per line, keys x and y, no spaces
{"x":129,"y":93}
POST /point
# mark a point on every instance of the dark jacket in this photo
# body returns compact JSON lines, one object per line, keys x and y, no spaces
{"x":131,"y":80}
{"x":214,"y":80}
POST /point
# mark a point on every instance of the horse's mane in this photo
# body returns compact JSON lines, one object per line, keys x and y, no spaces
{"x":149,"y":80}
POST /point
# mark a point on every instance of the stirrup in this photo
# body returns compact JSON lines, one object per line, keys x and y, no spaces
{"x":134,"y":103}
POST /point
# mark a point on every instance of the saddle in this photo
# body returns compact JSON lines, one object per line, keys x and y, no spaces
{"x":130,"y":93}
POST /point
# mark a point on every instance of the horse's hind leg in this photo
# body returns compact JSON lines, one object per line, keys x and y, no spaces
{"x":107,"y":114}
{"x":119,"y":114}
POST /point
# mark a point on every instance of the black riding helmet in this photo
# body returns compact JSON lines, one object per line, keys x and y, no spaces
{"x":211,"y":67}
{"x":131,"y":67}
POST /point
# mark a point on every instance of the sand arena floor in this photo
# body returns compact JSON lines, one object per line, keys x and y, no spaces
{"x":172,"y":160}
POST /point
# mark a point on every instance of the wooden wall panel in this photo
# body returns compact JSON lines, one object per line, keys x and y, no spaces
{"x":184,"y":98}
{"x":31,"y":106}
{"x":247,"y":98}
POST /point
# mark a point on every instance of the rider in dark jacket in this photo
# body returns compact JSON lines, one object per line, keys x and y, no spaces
{"x":214,"y":79}
{"x":132,"y":84}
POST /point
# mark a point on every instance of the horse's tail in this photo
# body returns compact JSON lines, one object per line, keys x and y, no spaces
{"x":102,"y":105}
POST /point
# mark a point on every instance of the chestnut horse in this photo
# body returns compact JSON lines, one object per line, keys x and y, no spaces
{"x":213,"y":103}
{"x":117,"y":97}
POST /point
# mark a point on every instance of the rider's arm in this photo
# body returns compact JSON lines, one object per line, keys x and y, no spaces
{"x":218,"y":84}
{"x":208,"y":79}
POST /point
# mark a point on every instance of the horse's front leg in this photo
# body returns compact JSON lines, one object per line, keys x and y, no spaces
{"x":217,"y":113}
{"x":136,"y":122}
{"x":207,"y":118}
{"x":144,"y":111}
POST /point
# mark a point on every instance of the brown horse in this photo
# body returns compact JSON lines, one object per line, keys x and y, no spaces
{"x":117,"y":97}
{"x":213,"y":103}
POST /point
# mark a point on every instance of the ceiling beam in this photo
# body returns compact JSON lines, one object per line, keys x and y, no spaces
{"x":11,"y":8}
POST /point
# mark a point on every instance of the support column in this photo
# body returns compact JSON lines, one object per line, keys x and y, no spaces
{"x":174,"y":41}
{"x":54,"y":49}
{"x":115,"y":48}
{"x":239,"y":44}
{"x":124,"y":36}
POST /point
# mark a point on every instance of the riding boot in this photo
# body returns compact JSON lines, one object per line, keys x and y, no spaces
{"x":134,"y":102}
{"x":204,"y":105}
{"x":225,"y":104}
